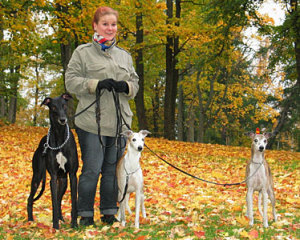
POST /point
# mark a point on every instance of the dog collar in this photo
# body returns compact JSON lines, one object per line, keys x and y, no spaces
{"x":46,"y":145}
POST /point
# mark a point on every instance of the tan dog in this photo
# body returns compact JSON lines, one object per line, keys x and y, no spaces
{"x":130,"y":176}
{"x":260,"y":178}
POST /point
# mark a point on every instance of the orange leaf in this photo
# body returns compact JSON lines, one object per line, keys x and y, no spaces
{"x":141,"y":238}
{"x":199,"y":234}
{"x":253,"y":233}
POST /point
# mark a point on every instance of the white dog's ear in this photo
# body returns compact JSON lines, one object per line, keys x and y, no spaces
{"x":145,"y":132}
{"x":127,"y":133}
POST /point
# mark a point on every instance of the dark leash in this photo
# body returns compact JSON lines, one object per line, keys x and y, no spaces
{"x":193,"y":176}
{"x":118,"y":143}
{"x":121,"y":119}
{"x":127,"y":179}
{"x":201,"y":179}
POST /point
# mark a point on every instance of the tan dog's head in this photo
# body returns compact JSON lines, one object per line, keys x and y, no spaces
{"x":259,"y":141}
{"x":135,"y":140}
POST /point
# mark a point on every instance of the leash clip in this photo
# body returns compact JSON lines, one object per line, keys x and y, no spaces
{"x":46,"y":146}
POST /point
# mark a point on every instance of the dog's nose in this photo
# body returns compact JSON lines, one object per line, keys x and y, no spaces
{"x":63,"y":120}
{"x":140,"y":148}
{"x":261,"y":148}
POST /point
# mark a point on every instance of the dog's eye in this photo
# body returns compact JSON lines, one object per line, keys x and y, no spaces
{"x":133,"y":139}
{"x":255,"y":140}
{"x":143,"y":139}
{"x":265,"y":141}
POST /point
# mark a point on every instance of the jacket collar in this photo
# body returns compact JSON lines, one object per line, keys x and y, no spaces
{"x":99,"y":49}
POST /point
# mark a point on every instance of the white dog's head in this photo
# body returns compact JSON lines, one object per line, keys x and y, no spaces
{"x":135,"y":140}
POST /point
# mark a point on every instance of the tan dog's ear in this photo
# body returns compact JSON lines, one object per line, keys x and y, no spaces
{"x":250,"y":134}
{"x":145,"y":132}
{"x":269,"y":134}
{"x":127,"y":133}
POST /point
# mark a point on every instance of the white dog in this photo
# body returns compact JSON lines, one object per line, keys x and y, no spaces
{"x":260,"y":178}
{"x":130,"y":176}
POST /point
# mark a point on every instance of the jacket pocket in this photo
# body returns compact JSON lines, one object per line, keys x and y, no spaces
{"x":96,"y":71}
{"x":123,"y":73}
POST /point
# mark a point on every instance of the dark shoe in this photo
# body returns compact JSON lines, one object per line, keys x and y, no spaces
{"x":109,"y":219}
{"x":86,"y":221}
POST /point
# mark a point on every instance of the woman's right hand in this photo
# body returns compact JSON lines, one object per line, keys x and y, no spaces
{"x":105,"y":84}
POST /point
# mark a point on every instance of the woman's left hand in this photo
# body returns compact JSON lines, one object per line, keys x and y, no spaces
{"x":120,"y":86}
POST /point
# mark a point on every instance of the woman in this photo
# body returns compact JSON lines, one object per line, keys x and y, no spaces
{"x":100,"y":66}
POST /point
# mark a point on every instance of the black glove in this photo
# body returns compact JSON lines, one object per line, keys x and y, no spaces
{"x":105,"y":84}
{"x":120,"y":86}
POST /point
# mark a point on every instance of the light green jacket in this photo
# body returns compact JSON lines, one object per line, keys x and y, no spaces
{"x":89,"y":65}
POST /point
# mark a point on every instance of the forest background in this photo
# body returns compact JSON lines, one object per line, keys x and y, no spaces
{"x":200,"y":78}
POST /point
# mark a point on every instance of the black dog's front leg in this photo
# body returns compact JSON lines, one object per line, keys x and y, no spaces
{"x":53,"y":185}
{"x":73,"y":183}
{"x":62,"y":187}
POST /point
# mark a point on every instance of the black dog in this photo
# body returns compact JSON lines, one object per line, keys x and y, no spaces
{"x":58,"y":154}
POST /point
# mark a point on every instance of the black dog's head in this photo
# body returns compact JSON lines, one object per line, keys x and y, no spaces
{"x":57,"y":108}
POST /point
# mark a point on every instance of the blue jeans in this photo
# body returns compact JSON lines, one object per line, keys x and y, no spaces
{"x":97,"y":159}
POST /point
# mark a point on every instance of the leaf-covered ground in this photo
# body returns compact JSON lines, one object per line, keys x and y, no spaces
{"x":177,"y":205}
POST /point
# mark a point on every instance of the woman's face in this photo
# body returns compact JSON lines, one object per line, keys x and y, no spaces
{"x":107,"y":26}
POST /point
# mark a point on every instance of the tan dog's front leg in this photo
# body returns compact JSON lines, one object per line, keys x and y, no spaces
{"x":265,"y":210}
{"x":259,"y":203}
{"x":272,"y":198}
{"x":250,"y":205}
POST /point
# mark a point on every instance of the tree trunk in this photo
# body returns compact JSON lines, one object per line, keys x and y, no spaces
{"x":200,"y":137}
{"x":168,"y":113}
{"x":66,"y":54}
{"x":2,"y":81}
{"x":172,"y":50}
{"x":2,"y":107}
{"x":36,"y":93}
{"x":295,"y":93}
{"x":155,"y":107}
{"x":191,"y":123}
{"x":139,"y":99}
{"x":12,"y":108}
{"x":280,"y":123}
{"x":296,"y":18}
{"x":180,"y":117}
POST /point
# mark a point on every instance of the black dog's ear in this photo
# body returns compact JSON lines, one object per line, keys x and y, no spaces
{"x":66,"y":96}
{"x":46,"y":101}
